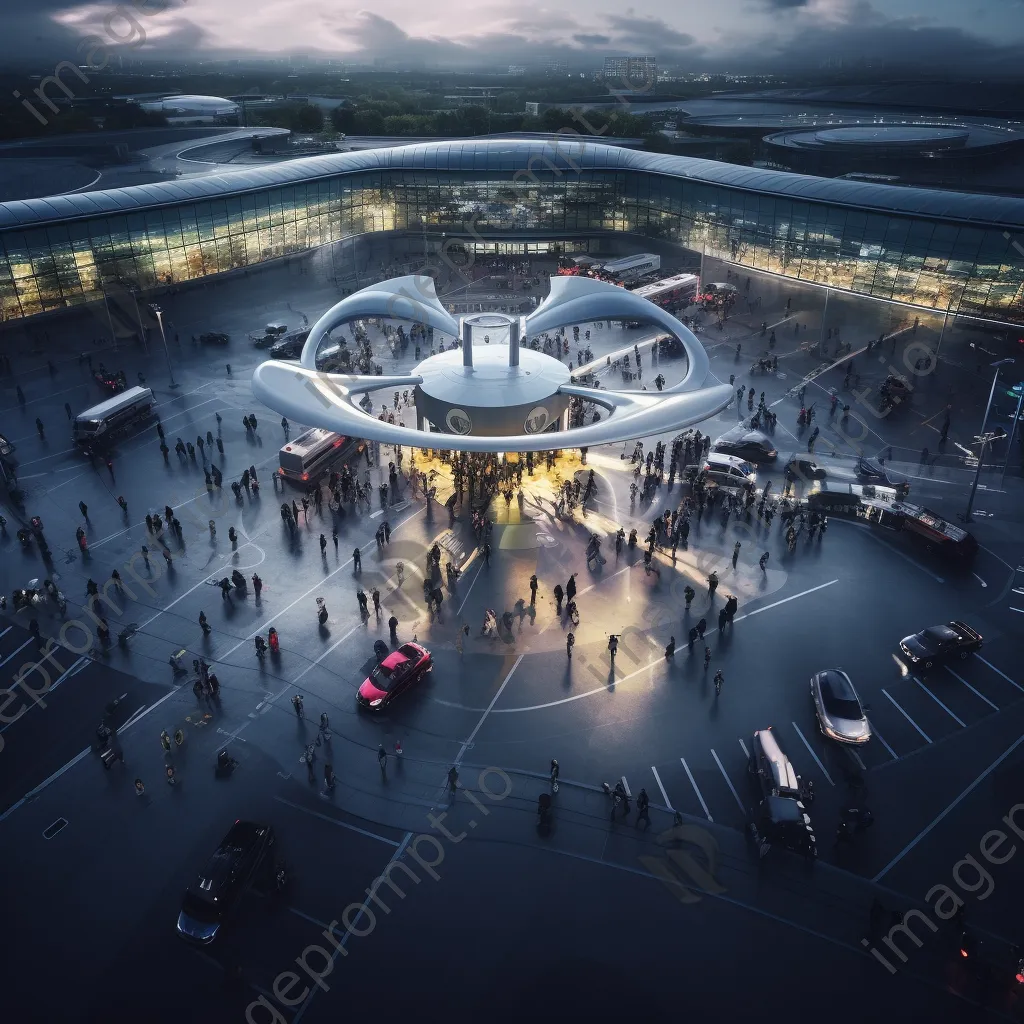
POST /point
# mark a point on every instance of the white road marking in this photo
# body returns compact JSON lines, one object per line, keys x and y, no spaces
{"x":6,"y":631}
{"x":924,"y":735}
{"x":695,"y":789}
{"x":924,"y":832}
{"x":664,"y":795}
{"x":810,"y":750}
{"x":462,"y":603}
{"x":728,"y":781}
{"x":857,"y":759}
{"x":959,"y":721}
{"x":335,"y":821}
{"x":999,"y":672}
{"x":483,"y":718}
{"x":302,"y":597}
{"x":785,"y":600}
{"x":1018,"y":610}
{"x":994,"y":707}
{"x":743,"y":747}
{"x":42,"y":785}
{"x":15,"y":651}
{"x":314,"y":664}
{"x":881,"y":739}
{"x":980,"y":580}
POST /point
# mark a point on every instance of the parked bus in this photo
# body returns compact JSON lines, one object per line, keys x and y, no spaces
{"x":632,"y":267}
{"x":672,"y":293}
{"x":313,"y":453}
{"x":113,"y":417}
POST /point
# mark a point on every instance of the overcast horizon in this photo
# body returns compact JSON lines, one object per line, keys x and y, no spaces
{"x":743,"y":36}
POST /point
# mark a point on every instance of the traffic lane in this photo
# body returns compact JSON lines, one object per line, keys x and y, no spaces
{"x":579,"y":907}
{"x":911,"y":794}
{"x":331,"y":859}
{"x":122,"y":861}
{"x":57,"y":723}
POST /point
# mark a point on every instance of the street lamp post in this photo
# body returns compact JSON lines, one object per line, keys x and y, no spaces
{"x":138,"y":314}
{"x":159,"y":314}
{"x":1019,"y":391}
{"x":983,"y":438}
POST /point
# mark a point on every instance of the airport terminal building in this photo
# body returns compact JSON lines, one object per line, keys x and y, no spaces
{"x":943,"y":251}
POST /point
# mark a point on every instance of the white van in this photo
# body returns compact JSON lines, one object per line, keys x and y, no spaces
{"x":728,"y":471}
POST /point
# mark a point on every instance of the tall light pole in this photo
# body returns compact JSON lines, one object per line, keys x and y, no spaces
{"x":138,"y":314}
{"x":159,"y":314}
{"x":984,"y":439}
{"x":1018,"y":390}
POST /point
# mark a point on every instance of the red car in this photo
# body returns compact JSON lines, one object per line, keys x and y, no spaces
{"x":393,"y":676}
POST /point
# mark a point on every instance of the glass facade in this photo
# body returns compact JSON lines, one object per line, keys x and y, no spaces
{"x":938,"y":261}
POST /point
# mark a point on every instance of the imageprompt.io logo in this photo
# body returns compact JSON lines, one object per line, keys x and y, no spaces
{"x":458,"y":421}
{"x":537,"y":420}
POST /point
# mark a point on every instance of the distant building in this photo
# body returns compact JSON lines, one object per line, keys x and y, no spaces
{"x":517,"y":70}
{"x":635,"y":72}
{"x":553,"y":68}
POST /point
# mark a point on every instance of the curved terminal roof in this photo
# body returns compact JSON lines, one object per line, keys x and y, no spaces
{"x":568,"y":156}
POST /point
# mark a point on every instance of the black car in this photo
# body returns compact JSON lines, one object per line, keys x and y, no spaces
{"x":800,"y":467}
{"x":874,"y":471}
{"x":243,"y":853}
{"x":749,"y":445}
{"x":290,"y":347}
{"x":937,"y":645}
{"x":213,"y":338}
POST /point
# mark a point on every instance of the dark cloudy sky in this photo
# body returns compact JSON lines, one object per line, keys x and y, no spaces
{"x":983,"y":36}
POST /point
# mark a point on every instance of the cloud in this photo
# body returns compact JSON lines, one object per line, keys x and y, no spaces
{"x":586,"y":39}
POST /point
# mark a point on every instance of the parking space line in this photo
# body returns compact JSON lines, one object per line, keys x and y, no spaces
{"x":810,"y":750}
{"x":923,"y":734}
{"x":6,"y":631}
{"x":664,"y":795}
{"x":959,"y":721}
{"x":878,"y":736}
{"x":693,"y":783}
{"x":995,"y":707}
{"x":728,"y":782}
{"x":335,"y":821}
{"x":999,"y":672}
{"x":15,"y":651}
{"x":743,"y":747}
{"x":857,"y":759}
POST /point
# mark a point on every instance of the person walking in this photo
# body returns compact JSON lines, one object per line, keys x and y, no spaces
{"x":559,"y":596}
{"x":487,"y":554}
{"x":533,"y":590}
{"x":763,"y":561}
{"x":453,"y":782}
{"x":643,"y":813}
{"x":736,"y":553}
{"x":393,"y":627}
{"x":382,"y":760}
{"x":702,"y":629}
{"x":323,"y":546}
{"x":361,"y":598}
{"x":357,"y":561}
{"x":375,"y":597}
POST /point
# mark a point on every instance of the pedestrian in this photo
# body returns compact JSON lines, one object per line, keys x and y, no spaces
{"x":357,"y":561}
{"x":140,"y":789}
{"x":453,"y":781}
{"x":393,"y":626}
{"x":559,"y":595}
{"x":382,"y":760}
{"x":487,"y":554}
{"x":533,"y":590}
{"x":110,"y":469}
{"x":375,"y":597}
{"x":702,"y":628}
{"x":323,"y":546}
{"x":763,"y":561}
{"x":736,"y":554}
{"x":723,"y":616}
{"x":643,"y":813}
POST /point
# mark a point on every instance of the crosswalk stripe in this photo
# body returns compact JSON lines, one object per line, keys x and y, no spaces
{"x":693,"y":783}
{"x":881,"y":739}
{"x":810,"y":750}
{"x":732,"y":788}
{"x":924,"y":735}
{"x":959,"y":721}
{"x":995,"y":707}
{"x":999,"y":672}
{"x":664,"y":795}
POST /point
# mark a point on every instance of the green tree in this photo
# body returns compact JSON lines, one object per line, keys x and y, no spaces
{"x":474,"y":120}
{"x":508,"y":103}
{"x":368,"y":122}
{"x":307,"y":118}
{"x":343,"y":119}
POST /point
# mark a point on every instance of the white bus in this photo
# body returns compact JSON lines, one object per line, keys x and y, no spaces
{"x":632,"y":267}
{"x":115,"y":416}
{"x":672,"y":293}
{"x":313,"y":453}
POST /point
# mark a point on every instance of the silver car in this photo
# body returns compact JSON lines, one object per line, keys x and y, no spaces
{"x":840,"y":713}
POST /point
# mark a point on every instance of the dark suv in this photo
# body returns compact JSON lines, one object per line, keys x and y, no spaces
{"x":243,"y":853}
